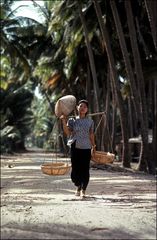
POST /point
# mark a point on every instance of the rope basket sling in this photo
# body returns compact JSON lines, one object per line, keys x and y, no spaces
{"x":101,"y":157}
{"x":64,"y":105}
{"x":56,"y":168}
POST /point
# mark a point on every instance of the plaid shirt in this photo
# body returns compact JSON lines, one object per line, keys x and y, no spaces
{"x":81,"y":129}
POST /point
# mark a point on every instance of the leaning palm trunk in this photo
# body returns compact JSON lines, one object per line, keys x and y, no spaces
{"x":154,"y":140}
{"x":145,"y":162}
{"x":123,"y":120}
{"x":151,"y":7}
{"x":130,"y":116}
{"x":88,"y":87}
{"x":93,"y":70}
{"x":134,"y":91}
{"x":107,"y":118}
{"x":91,"y":58}
{"x":105,"y":136}
{"x":131,"y":78}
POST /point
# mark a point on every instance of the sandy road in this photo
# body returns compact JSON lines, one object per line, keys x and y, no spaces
{"x":36,"y":206}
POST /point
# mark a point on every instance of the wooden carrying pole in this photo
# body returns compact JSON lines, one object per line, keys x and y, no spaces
{"x":95,"y":114}
{"x":91,"y":114}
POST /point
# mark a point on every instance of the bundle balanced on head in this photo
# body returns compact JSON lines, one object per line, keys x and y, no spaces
{"x":80,"y":132}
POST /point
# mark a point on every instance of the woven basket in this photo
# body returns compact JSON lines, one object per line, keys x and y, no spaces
{"x":65,"y":105}
{"x":55,"y":168}
{"x":103,"y":157}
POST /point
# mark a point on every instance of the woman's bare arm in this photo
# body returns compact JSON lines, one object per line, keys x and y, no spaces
{"x":66,"y":129}
{"x":92,"y":139}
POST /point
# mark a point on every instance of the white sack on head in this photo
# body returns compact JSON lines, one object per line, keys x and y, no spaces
{"x":65,"y":105}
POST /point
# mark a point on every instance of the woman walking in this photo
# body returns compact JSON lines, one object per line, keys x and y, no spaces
{"x":80,"y":132}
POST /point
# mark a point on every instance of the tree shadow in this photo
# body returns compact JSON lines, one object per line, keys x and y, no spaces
{"x":66,"y":231}
{"x":25,"y":186}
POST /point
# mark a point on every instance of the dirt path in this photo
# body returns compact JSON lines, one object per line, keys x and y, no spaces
{"x":119,"y":205}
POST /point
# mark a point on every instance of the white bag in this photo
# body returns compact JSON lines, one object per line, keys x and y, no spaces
{"x":65,"y":105}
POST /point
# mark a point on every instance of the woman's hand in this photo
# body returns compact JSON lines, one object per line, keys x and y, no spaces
{"x":63,"y":117}
{"x":93,"y":150}
{"x":65,"y":127}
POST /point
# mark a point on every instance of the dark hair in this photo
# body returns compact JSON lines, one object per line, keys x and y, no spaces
{"x":83,"y":101}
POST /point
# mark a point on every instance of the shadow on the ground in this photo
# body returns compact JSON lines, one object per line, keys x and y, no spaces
{"x":26,"y":178}
{"x":61,"y":231}
{"x":25,"y":187}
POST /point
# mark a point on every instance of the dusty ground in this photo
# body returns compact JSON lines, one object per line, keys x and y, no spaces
{"x":119,"y":205}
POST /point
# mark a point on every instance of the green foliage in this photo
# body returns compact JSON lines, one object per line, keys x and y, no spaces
{"x":16,"y":115}
{"x":54,"y":54}
{"x":44,"y":69}
{"x":43,"y":122}
{"x":10,"y":137}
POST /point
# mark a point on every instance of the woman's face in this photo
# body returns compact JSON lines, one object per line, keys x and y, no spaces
{"x":82,"y":108}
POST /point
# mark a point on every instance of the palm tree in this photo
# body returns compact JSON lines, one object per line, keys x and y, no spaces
{"x":68,"y":55}
{"x":151,"y":7}
{"x":124,"y":128}
{"x":145,"y":161}
{"x":131,"y":78}
{"x":91,"y":59}
{"x":133,"y":87}
{"x":16,"y":89}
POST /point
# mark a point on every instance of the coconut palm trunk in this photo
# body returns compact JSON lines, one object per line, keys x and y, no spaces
{"x":154,"y":134}
{"x":145,"y":162}
{"x":116,"y":85}
{"x":155,"y":125}
{"x":91,"y":58}
{"x":93,"y":72}
{"x":106,"y":136}
{"x":129,"y":70}
{"x":151,"y":7}
{"x":133,"y":86}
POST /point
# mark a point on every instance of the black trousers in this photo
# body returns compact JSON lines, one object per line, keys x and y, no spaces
{"x":80,"y":160}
